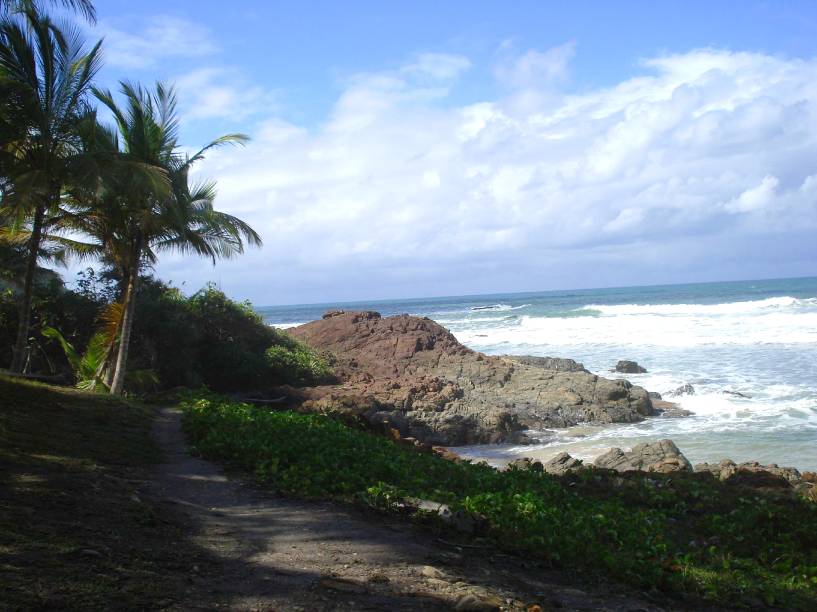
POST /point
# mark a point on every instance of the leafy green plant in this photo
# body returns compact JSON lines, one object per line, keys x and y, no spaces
{"x":86,"y":366}
{"x":684,"y":533}
{"x":297,"y":363}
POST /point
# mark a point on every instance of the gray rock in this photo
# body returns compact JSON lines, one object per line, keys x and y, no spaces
{"x":727,"y":469}
{"x":629,"y":367}
{"x":655,"y":395}
{"x":662,"y":456}
{"x":557,"y":364}
{"x":526,"y":463}
{"x":737,"y":394}
{"x":670,"y":410}
{"x":562,"y":464}
{"x":686,"y":389}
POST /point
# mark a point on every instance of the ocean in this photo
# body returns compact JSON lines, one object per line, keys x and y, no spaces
{"x":753,"y":338}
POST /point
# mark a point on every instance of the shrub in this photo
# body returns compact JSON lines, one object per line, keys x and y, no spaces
{"x":296,"y":363}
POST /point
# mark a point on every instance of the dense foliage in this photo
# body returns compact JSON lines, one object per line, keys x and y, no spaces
{"x":688,"y":534}
{"x":202,"y":340}
{"x":295,"y":361}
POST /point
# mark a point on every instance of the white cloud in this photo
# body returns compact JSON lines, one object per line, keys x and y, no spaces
{"x":160,"y":37}
{"x":755,"y":198}
{"x":208,"y":93}
{"x":684,"y":167}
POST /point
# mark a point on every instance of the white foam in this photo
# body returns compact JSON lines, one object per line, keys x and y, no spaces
{"x":727,"y":308}
{"x":286,"y":325}
{"x":773,"y":321}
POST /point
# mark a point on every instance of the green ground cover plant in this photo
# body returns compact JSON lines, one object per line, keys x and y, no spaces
{"x":687,"y":534}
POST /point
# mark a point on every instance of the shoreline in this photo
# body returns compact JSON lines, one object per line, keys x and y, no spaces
{"x":411,"y":375}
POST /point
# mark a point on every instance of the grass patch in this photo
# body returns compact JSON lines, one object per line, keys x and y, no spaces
{"x":685,"y":534}
{"x":76,"y":528}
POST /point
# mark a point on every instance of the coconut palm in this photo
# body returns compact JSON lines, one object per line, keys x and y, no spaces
{"x":138,"y":217}
{"x":83,"y":7}
{"x":50,"y":73}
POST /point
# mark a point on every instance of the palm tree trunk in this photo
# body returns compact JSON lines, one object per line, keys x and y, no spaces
{"x":21,"y":343}
{"x":118,"y":382}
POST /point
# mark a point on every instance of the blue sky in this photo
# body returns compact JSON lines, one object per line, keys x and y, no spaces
{"x":479,"y":147}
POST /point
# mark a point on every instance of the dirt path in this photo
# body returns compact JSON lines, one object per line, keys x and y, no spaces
{"x":279,"y":554}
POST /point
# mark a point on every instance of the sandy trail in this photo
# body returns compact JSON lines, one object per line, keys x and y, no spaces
{"x":280,"y":554}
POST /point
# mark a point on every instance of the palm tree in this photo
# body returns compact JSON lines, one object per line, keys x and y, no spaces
{"x":50,"y":73}
{"x":84,"y":7}
{"x":137,"y":217}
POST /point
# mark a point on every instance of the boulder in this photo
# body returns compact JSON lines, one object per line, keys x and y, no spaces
{"x":526,"y":463}
{"x":728,"y":469}
{"x":562,"y":464}
{"x":662,"y":456}
{"x":685,"y":389}
{"x":670,"y":410}
{"x":629,"y":367}
{"x":410,"y":374}
{"x":655,"y":395}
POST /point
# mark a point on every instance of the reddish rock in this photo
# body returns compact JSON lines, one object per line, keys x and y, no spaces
{"x":411,"y":374}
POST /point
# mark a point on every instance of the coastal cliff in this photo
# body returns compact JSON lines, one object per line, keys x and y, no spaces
{"x":412,"y":375}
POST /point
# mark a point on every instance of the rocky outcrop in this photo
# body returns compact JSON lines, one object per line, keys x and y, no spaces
{"x":662,"y":456}
{"x":669,"y":410}
{"x":686,"y":389}
{"x":629,"y":367}
{"x":727,"y":469}
{"x":560,"y":465}
{"x":556,"y":364}
{"x":411,"y":374}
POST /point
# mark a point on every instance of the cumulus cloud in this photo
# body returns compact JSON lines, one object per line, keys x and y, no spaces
{"x":678,"y":171}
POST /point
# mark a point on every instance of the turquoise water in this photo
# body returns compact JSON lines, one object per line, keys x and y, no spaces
{"x":757,"y":338}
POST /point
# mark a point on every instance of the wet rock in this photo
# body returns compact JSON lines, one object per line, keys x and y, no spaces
{"x":662,"y":456}
{"x":670,"y":410}
{"x":629,"y":367}
{"x":412,"y":375}
{"x":655,"y":395}
{"x":737,"y":394}
{"x":562,"y":464}
{"x":685,"y":389}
